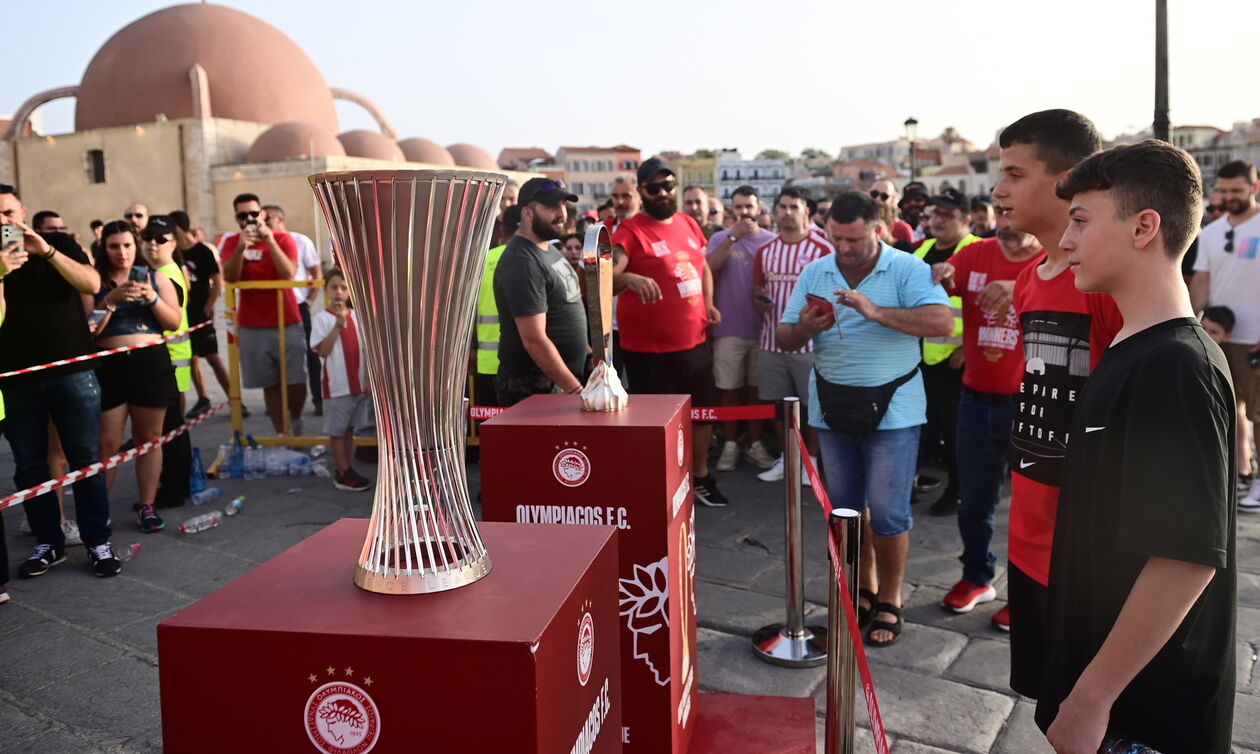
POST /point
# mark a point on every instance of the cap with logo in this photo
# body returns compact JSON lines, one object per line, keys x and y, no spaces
{"x":652,"y":167}
{"x":159,"y":227}
{"x":952,"y":198}
{"x":548,"y":191}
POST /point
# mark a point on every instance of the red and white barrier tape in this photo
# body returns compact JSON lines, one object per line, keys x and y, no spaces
{"x":846,"y":599}
{"x":699,"y":413}
{"x":106,"y":352}
{"x":109,"y":463}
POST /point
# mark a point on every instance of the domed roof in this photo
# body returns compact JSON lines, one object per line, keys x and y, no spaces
{"x":255,"y":72}
{"x":363,"y":143}
{"x":472,"y":156}
{"x":291,"y":139}
{"x":423,"y":150}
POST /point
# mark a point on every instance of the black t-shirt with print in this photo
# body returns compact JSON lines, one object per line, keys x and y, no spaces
{"x":530,"y":280}
{"x":201,"y":264}
{"x":44,"y":319}
{"x":1150,"y":473}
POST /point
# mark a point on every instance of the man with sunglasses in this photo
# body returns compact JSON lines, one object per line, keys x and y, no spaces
{"x":665,"y":307}
{"x":137,"y":215}
{"x":885,"y":194}
{"x":1227,"y":273}
{"x":42,"y":282}
{"x":259,"y":253}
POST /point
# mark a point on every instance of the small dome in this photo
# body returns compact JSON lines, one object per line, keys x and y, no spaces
{"x":471,"y":156}
{"x":377,"y":146}
{"x":294,"y":139}
{"x":255,"y":71}
{"x":423,"y":150}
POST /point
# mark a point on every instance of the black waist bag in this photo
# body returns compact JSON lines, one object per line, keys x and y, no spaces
{"x":853,"y":410}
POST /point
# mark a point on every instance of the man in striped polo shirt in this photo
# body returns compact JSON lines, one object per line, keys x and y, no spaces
{"x":783,"y":372}
{"x":876,"y":302}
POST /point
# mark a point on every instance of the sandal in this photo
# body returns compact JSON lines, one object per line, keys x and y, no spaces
{"x":881,"y":625}
{"x":864,"y":614}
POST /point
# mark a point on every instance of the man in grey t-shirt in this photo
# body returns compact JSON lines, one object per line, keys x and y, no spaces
{"x":543,"y":340}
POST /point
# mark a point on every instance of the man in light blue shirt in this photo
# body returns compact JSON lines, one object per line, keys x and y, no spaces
{"x":884,"y":302}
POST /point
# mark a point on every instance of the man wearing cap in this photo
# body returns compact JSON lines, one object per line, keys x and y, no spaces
{"x":543,"y":339}
{"x":914,"y":198}
{"x":983,"y":218}
{"x":949,"y":220}
{"x":665,"y":307}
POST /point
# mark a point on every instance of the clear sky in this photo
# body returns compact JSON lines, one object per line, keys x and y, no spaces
{"x":676,"y":75}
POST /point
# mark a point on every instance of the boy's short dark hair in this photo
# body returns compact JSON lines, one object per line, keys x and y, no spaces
{"x":38,"y":220}
{"x":1151,"y":174}
{"x":1061,"y":138}
{"x":851,"y":206}
{"x":511,"y":220}
{"x":181,"y":220}
{"x":1238,"y":169}
{"x":96,"y":224}
{"x":244,"y":198}
{"x":1223,"y":316}
{"x":333,"y":272}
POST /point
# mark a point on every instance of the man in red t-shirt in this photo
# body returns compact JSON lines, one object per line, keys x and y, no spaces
{"x":1064,"y":333}
{"x":266,"y":255}
{"x":665,"y":306}
{"x":983,"y":275}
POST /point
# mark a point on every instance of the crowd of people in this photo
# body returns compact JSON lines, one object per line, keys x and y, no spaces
{"x":1053,"y":333}
{"x":977,"y":335}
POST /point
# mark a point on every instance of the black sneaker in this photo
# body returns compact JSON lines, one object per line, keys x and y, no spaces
{"x":1244,"y":484}
{"x":707,"y":492}
{"x":925,"y":483}
{"x":244,"y":411}
{"x":43,"y":558}
{"x":200,"y":407}
{"x":148,"y":519}
{"x":351,"y":482}
{"x":104,"y":562}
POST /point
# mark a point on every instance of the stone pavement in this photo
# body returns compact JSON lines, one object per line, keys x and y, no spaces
{"x":78,"y":656}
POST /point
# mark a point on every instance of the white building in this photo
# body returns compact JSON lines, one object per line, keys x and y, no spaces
{"x":733,"y":171}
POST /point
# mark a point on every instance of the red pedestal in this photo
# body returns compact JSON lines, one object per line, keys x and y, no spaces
{"x":546,"y":461}
{"x":740,"y":724}
{"x":293,"y":657}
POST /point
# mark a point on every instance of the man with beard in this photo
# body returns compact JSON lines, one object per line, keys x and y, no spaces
{"x":884,"y":192}
{"x":913,"y":201}
{"x":983,"y":277}
{"x":666,"y":307}
{"x":625,"y":201}
{"x":543,"y":341}
{"x":983,"y":217}
{"x":1227,"y":273}
{"x":822,"y":208}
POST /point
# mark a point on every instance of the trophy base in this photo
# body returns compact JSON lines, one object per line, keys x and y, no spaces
{"x":411,"y":568}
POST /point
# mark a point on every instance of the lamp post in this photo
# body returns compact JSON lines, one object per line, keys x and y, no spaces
{"x":1160,"y":127}
{"x":912,"y":130}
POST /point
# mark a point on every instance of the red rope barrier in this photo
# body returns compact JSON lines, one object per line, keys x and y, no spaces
{"x":698,"y":413}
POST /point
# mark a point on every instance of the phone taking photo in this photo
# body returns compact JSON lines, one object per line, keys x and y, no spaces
{"x":139,"y":275}
{"x":9,"y":235}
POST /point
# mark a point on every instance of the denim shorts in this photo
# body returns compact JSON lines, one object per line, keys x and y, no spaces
{"x":876,"y":470}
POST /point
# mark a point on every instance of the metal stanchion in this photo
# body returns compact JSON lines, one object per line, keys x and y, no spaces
{"x":845,"y":526}
{"x":792,"y":643}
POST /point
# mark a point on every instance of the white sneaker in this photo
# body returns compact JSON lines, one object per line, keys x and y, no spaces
{"x":758,"y":456}
{"x":774,"y":473}
{"x":71,"y":530}
{"x":729,"y":457}
{"x":1251,"y":503}
{"x":805,"y":474}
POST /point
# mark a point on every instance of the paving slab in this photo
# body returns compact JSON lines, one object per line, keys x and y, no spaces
{"x":1021,"y":734}
{"x":725,"y":663}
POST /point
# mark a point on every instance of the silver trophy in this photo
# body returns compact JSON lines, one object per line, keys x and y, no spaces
{"x":412,"y":244}
{"x":603,"y":391}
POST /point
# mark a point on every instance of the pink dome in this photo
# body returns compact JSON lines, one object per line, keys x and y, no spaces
{"x":471,"y":156}
{"x":422,"y":150}
{"x":294,"y":139}
{"x":362,"y":143}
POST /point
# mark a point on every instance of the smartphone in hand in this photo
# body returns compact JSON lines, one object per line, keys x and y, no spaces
{"x":820,"y":304}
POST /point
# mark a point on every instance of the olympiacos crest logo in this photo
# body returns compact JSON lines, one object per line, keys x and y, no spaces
{"x":342,"y":719}
{"x":571,"y":467}
{"x":585,"y":648}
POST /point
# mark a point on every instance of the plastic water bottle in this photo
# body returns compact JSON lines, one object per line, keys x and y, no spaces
{"x":197,"y":475}
{"x":234,"y":506}
{"x":206,"y":495}
{"x":127,"y":553}
{"x":320,"y":469}
{"x":299,"y":465}
{"x":201,"y":523}
{"x":236,"y":461}
{"x":255,"y":463}
{"x":1125,"y":746}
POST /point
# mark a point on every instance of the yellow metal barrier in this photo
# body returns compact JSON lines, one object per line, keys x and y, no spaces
{"x":234,"y":360}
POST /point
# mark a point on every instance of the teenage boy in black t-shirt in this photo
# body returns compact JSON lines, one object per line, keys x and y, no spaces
{"x":1142,"y":582}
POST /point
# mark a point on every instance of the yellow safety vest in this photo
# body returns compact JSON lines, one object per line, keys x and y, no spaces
{"x":181,"y":347}
{"x":936,"y":350}
{"x":488,"y":317}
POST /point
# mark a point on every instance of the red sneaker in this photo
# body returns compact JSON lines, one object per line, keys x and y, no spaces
{"x":965,"y":596}
{"x":1001,"y":620}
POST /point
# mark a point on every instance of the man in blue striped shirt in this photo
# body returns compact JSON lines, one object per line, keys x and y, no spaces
{"x":879,"y":303}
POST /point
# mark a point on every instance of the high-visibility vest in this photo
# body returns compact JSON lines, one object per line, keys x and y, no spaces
{"x":936,"y":350}
{"x":181,"y":347}
{"x":488,"y":317}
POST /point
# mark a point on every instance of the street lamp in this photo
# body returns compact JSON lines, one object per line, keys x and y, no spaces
{"x":912,"y":130}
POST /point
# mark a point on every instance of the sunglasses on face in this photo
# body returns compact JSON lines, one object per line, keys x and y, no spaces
{"x":129,"y":215}
{"x":1216,"y":208}
{"x":248,"y":215}
{"x":715,"y":212}
{"x":660,"y":187}
{"x":156,"y":238}
{"x":1229,"y":241}
{"x":880,"y":195}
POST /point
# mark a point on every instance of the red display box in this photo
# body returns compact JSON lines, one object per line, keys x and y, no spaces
{"x":294,"y":657}
{"x":744,"y":724}
{"x":546,"y":461}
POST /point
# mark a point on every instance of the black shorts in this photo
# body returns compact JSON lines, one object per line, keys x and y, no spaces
{"x":687,"y":372}
{"x":204,"y":341}
{"x":143,"y":377}
{"x":1029,"y":602}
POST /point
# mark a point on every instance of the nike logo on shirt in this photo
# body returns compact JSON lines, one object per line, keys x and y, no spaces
{"x":1025,"y":464}
{"x":1093,"y":429}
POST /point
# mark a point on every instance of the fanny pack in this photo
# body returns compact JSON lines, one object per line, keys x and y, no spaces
{"x":854,"y":410}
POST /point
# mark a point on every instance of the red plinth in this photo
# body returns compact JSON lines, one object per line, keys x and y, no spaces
{"x":293,"y":657}
{"x":740,"y":724}
{"x":546,"y":461}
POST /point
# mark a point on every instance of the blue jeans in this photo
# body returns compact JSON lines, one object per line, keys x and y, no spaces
{"x":877,"y":470}
{"x":73,"y":402}
{"x":984,"y":437}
